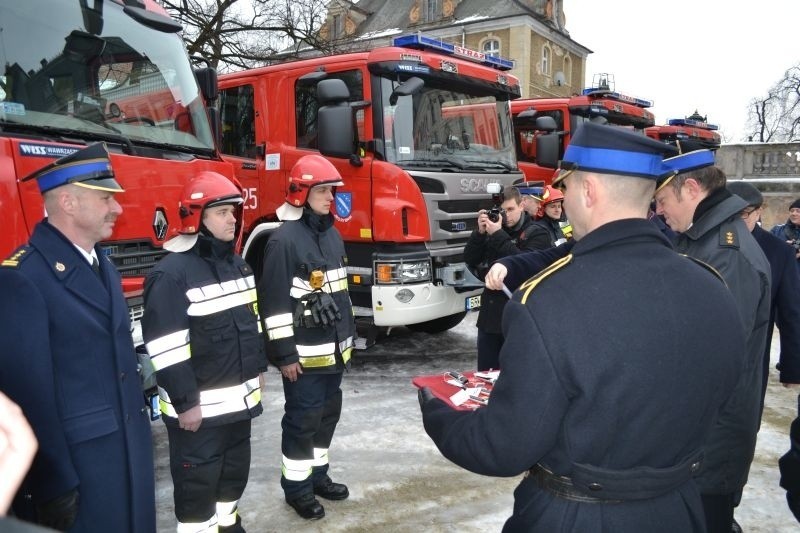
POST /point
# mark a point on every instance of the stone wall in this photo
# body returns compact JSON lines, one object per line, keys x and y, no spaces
{"x":774,"y":168}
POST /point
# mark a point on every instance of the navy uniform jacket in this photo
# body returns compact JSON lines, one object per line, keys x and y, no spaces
{"x":720,"y":238}
{"x":596,"y":377}
{"x":785,"y":305}
{"x":68,"y":360}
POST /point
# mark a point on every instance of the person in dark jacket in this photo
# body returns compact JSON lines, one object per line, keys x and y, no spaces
{"x":203,"y":334}
{"x":552,"y":222}
{"x":707,"y":218}
{"x":68,"y":360}
{"x":491,"y":240}
{"x":785,"y":288}
{"x":789,"y":231}
{"x":310,"y":328}
{"x":609,"y":419}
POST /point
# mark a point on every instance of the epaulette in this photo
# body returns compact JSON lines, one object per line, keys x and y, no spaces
{"x":707,"y":267}
{"x":728,"y":236}
{"x":19,"y":255}
{"x":533,"y":282}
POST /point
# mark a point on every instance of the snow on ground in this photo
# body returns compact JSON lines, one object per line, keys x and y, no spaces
{"x":398,"y":480}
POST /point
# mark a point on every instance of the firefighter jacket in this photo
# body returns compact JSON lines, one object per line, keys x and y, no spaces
{"x":621,"y":403}
{"x":68,"y":361}
{"x":294,"y":251}
{"x":482,"y":250}
{"x":552,"y":228}
{"x":203,"y":334}
{"x":719,"y":237}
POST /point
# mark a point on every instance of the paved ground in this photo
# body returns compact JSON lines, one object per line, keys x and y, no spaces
{"x":398,"y":480}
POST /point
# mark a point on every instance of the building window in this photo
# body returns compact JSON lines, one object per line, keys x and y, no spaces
{"x":567,"y":70}
{"x":338,"y":27}
{"x":546,"y":60}
{"x":433,"y":10}
{"x":491,"y":47}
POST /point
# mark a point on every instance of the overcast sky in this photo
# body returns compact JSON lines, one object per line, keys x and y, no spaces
{"x":710,"y":55}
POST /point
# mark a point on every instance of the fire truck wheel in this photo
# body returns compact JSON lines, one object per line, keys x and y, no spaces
{"x":439,"y":325}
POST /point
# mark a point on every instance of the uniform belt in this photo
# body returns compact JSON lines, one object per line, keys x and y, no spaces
{"x":599,"y":485}
{"x":562,"y":486}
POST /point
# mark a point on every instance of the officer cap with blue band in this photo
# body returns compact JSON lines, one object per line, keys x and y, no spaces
{"x":89,"y":167}
{"x":530,"y":188}
{"x":614,"y":150}
{"x":686,"y":163}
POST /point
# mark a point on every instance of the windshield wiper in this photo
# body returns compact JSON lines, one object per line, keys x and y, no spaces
{"x":446,"y":162}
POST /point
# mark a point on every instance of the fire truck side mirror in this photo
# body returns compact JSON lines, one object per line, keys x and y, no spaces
{"x":546,"y":123}
{"x":547,"y":149}
{"x":207,"y":80}
{"x":336,"y":124}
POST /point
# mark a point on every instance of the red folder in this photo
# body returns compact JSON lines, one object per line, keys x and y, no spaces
{"x":443,"y":386}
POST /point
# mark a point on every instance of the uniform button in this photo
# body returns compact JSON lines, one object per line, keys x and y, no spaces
{"x":128,"y":417}
{"x":595,"y":486}
{"x":122,"y":376}
{"x":695,"y":467}
{"x":143,"y":410}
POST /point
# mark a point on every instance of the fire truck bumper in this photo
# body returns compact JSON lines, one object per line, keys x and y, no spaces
{"x":401,"y":305}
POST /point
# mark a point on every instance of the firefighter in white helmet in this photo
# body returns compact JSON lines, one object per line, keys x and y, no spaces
{"x":203,"y":335}
{"x":309,"y":325}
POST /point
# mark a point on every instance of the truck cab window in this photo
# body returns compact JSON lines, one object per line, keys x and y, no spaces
{"x":306,"y":106}
{"x":238,"y":121}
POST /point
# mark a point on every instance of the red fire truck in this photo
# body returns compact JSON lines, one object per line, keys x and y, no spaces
{"x":109,"y":71}
{"x":690,"y":133}
{"x":543,"y":126}
{"x":417,"y":130}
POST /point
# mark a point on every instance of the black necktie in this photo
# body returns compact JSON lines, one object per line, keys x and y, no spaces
{"x":96,"y":266}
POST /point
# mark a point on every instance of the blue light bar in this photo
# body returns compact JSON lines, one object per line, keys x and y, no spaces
{"x":692,"y":123}
{"x":423,"y":42}
{"x":613,"y":95}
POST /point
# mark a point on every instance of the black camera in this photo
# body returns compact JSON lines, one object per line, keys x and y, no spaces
{"x":496,"y":190}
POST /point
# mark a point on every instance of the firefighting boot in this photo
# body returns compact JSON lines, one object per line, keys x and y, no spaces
{"x":307,"y":507}
{"x":235,"y":528}
{"x":330,"y":490}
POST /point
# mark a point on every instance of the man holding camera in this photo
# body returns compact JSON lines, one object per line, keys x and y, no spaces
{"x":501,"y":231}
{"x":790,"y":231}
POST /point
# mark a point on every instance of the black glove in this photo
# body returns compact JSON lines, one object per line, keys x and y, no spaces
{"x":60,"y":512}
{"x":424,"y":395}
{"x":324,"y":310}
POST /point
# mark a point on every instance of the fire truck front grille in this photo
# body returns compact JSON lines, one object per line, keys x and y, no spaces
{"x":461,"y":216}
{"x":133,"y":258}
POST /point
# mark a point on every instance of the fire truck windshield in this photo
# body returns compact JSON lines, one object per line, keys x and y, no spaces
{"x":438,"y":126}
{"x":90,"y":73}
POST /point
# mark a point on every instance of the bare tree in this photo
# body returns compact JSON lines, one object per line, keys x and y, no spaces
{"x":776,"y":117}
{"x":241,"y":34}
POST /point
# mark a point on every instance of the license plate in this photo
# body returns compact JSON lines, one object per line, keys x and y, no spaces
{"x":473,"y":302}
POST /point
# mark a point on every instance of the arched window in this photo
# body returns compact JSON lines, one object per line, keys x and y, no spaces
{"x":491,"y":47}
{"x":567,"y":70}
{"x":546,"y":60}
{"x":433,"y":10}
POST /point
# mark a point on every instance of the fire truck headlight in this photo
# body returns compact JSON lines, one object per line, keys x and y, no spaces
{"x":399,"y":272}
